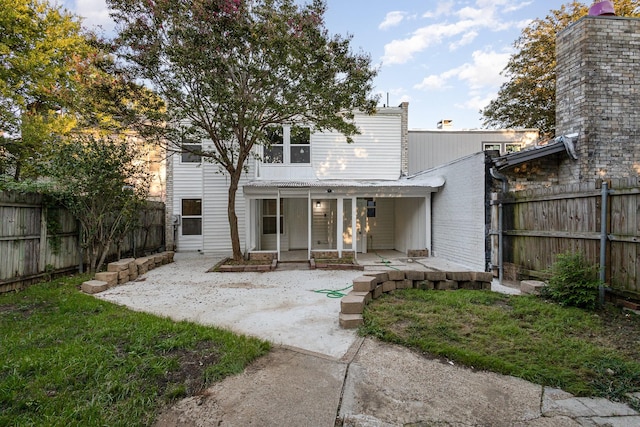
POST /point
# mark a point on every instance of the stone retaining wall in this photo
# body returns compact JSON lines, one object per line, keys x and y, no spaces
{"x":373,"y":285}
{"x":125,"y":270}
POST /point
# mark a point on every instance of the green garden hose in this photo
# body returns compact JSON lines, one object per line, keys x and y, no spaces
{"x":337,"y":293}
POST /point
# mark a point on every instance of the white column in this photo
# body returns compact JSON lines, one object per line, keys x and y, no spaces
{"x":278,"y":224}
{"x":427,"y":210}
{"x":340,"y":226}
{"x":354,"y":231}
{"x":249,"y":224}
{"x":309,"y":222}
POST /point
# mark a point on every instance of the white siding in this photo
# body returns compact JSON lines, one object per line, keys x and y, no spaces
{"x":205,"y":181}
{"x":380,"y":232}
{"x":216,"y":222}
{"x":187,"y":184}
{"x":458,"y":213}
{"x":323,"y":231}
{"x":374,"y":154}
{"x":433,"y":148}
{"x":410,"y":224}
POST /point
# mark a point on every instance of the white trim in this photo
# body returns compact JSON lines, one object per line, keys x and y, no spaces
{"x":339,"y":226}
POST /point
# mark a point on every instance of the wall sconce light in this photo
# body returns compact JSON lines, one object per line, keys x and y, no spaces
{"x":318,"y":204}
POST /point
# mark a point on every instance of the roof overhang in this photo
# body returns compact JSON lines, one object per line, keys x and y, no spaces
{"x":561,"y":144}
{"x":404,"y":187}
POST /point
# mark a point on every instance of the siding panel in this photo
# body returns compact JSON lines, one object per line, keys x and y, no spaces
{"x":458,"y":213}
{"x":374,"y":154}
{"x":432,"y":148}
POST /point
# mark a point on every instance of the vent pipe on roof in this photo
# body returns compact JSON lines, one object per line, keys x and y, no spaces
{"x":602,"y":8}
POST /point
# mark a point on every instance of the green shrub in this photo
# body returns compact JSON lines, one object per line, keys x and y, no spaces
{"x":573,"y":281}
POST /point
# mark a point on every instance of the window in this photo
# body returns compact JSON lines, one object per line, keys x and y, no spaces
{"x":191,"y":217}
{"x":513,"y":148}
{"x":300,"y":145}
{"x":288,"y":144}
{"x":371,"y":208}
{"x":273,"y":151}
{"x":187,"y":154}
{"x":489,"y":146}
{"x":502,"y":147}
{"x":269,"y":215}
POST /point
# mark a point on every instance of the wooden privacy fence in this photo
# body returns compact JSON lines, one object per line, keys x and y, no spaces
{"x":539,"y":224}
{"x":37,"y":241}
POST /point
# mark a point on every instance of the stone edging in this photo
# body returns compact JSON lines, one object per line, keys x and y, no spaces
{"x":373,"y":285}
{"x":125,"y":270}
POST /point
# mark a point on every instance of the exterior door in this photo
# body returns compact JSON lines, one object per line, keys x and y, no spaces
{"x":298,"y":218}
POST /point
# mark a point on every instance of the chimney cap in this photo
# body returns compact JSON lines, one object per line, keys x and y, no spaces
{"x":602,"y":8}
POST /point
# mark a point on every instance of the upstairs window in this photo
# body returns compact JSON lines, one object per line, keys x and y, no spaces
{"x":188,"y":153}
{"x":300,"y":144}
{"x":288,"y":144}
{"x":274,"y":150}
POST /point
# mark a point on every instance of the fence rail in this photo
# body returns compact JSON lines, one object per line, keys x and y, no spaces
{"x":539,"y":224}
{"x":37,"y":240}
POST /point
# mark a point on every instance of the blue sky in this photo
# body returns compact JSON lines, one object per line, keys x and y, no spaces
{"x":444,"y":57}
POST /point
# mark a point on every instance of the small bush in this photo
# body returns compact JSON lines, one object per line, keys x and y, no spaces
{"x":573,"y":281}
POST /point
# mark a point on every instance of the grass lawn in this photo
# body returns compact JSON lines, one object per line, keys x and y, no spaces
{"x":67,"y":358}
{"x":582,"y":352}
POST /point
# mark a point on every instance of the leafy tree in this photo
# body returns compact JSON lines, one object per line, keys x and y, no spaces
{"x":231,"y":68}
{"x":102,"y":182}
{"x":528,"y":98}
{"x":37,"y":41}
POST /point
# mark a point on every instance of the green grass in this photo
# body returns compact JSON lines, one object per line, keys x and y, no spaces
{"x":586,"y":353}
{"x":68,"y":359}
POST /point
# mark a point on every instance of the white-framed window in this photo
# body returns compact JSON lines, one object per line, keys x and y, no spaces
{"x":288,"y":144}
{"x":191,"y":217}
{"x":188,"y":152}
{"x":502,"y":147}
{"x":274,"y":150}
{"x":269,"y":215}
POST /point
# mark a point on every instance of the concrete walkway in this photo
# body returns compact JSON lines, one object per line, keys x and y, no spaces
{"x":320,"y":375}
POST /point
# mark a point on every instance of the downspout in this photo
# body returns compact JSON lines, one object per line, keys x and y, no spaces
{"x":505,"y":187}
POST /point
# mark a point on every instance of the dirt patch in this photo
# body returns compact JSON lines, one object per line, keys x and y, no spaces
{"x":621,"y":331}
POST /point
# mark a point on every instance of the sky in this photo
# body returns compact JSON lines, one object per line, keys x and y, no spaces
{"x":444,"y":57}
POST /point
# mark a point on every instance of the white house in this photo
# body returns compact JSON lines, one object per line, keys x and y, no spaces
{"x":310,"y":191}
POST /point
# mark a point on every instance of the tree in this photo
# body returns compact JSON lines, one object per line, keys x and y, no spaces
{"x":232,"y":68}
{"x":527,"y":98}
{"x":102,"y":182}
{"x":37,"y":43}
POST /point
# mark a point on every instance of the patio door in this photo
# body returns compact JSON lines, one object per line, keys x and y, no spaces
{"x":298,"y":211}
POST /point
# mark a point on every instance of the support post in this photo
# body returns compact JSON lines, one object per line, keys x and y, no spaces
{"x":603,"y":241}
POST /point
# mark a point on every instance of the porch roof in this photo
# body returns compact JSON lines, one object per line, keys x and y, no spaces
{"x":407,"y":186}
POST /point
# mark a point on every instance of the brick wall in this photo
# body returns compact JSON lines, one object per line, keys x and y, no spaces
{"x":534,"y":174}
{"x":598,"y":95}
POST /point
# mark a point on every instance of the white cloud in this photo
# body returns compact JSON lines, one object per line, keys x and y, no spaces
{"x":401,"y":51}
{"x":95,"y":13}
{"x":486,"y":15}
{"x":392,"y":19}
{"x":477,"y":103}
{"x":482,"y":73}
{"x":466,"y":39}
{"x":433,"y":82}
{"x":443,"y":9}
{"x":485,"y":69}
